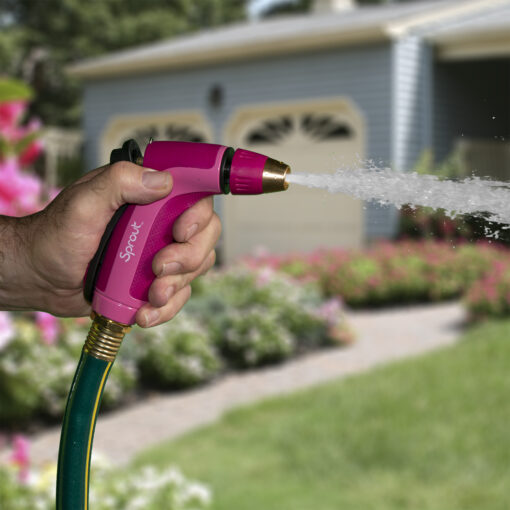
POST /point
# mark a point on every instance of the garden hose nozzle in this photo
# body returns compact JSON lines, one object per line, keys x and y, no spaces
{"x":119,"y":276}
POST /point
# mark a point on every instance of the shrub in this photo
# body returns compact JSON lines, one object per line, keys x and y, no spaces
{"x":392,"y":273}
{"x":252,"y":337}
{"x":490,"y":296}
{"x":178,"y":354}
{"x":35,"y":377}
{"x":259,"y":317}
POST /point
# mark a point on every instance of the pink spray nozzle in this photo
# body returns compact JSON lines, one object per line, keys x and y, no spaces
{"x":118,"y":279}
{"x":252,"y":173}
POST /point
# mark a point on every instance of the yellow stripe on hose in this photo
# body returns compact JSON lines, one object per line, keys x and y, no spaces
{"x":91,"y":432}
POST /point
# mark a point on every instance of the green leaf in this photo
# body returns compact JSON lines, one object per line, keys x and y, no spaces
{"x":14,"y":90}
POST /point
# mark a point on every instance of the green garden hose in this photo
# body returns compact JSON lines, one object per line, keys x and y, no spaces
{"x":98,"y":355}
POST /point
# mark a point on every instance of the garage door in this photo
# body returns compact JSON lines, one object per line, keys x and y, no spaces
{"x":312,"y":137}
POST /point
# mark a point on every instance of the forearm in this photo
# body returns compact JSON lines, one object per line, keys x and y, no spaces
{"x":19,"y":288}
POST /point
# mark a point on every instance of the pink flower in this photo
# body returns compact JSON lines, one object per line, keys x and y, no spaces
{"x":6,"y":329}
{"x":31,"y":153}
{"x":10,"y":113}
{"x":330,"y":310}
{"x":264,"y":276}
{"x":19,"y":192}
{"x":48,"y":325}
{"x":20,"y":456}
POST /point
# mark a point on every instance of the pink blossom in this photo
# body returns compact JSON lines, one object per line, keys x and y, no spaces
{"x":10,"y":113}
{"x":31,"y":153}
{"x":264,"y":276}
{"x":330,"y":310}
{"x":19,"y":192}
{"x":48,"y":325}
{"x":7,"y":331}
{"x":20,"y":456}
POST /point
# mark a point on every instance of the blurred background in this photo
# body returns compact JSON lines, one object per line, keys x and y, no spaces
{"x":310,"y":287}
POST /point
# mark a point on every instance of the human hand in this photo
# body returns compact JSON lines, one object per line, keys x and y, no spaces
{"x":44,"y":256}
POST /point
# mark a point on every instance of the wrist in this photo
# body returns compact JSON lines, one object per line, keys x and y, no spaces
{"x":19,"y":289}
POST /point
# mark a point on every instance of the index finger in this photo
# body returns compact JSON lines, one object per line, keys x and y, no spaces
{"x":194,"y":220}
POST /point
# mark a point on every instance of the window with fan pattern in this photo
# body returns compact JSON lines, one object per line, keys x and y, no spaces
{"x":315,"y":127}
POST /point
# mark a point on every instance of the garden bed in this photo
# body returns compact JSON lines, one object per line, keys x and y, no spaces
{"x":405,"y":272}
{"x":236,"y":320}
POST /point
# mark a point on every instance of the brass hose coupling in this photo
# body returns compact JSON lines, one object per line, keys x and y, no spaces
{"x":104,"y":338}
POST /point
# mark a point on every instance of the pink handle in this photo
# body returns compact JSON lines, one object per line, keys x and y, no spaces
{"x":126,"y":272}
{"x":160,"y":236}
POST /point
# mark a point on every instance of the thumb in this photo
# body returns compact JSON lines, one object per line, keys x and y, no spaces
{"x":125,"y":182}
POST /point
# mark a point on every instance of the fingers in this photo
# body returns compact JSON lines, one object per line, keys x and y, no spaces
{"x":193,"y":220}
{"x":151,"y":316}
{"x":168,"y":295}
{"x":180,"y":258}
{"x":165,"y":287}
{"x":106,"y":189}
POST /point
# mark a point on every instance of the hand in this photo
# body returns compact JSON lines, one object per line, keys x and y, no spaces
{"x":44,"y":256}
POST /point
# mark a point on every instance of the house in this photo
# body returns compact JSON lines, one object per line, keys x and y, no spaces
{"x":319,"y":91}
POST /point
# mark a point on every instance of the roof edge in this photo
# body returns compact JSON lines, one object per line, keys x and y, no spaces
{"x":118,"y":64}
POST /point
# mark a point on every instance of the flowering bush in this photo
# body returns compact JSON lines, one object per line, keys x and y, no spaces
{"x":20,"y":192}
{"x":260,"y":317}
{"x":177,"y":354}
{"x":253,"y":337}
{"x":390,"y":273}
{"x":23,"y":487}
{"x":35,"y":377}
{"x":490,"y":296}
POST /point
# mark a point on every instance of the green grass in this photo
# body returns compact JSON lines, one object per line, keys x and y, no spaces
{"x":429,"y":433}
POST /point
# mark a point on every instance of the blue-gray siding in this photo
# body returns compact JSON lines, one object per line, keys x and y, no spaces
{"x":412,"y":101}
{"x":362,"y":74}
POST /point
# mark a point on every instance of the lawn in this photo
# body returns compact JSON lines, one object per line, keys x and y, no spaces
{"x":428,"y":433}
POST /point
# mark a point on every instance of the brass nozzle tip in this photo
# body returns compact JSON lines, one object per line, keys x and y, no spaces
{"x":273,"y":176}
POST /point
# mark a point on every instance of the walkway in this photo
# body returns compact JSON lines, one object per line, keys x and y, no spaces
{"x":383,"y":336}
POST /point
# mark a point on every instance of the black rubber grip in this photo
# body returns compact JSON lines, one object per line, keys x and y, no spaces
{"x":128,"y":152}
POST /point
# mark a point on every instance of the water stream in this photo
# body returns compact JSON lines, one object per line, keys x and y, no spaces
{"x":481,"y":197}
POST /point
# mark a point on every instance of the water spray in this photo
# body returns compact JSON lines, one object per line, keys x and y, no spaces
{"x":472,"y":195}
{"x":120,"y":274}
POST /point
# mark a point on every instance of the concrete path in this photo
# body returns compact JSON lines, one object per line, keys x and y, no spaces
{"x":382,"y":336}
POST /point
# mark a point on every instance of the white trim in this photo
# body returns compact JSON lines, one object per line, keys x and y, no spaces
{"x":473,"y":50}
{"x":400,"y":28}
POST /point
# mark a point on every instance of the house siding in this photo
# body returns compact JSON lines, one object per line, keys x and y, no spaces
{"x":412,"y":101}
{"x":362,"y":74}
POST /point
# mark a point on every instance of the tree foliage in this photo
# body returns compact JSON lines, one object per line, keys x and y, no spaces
{"x":39,"y":38}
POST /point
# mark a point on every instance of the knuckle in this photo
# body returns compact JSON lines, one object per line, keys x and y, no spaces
{"x":82,"y":208}
{"x":118,"y":170}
